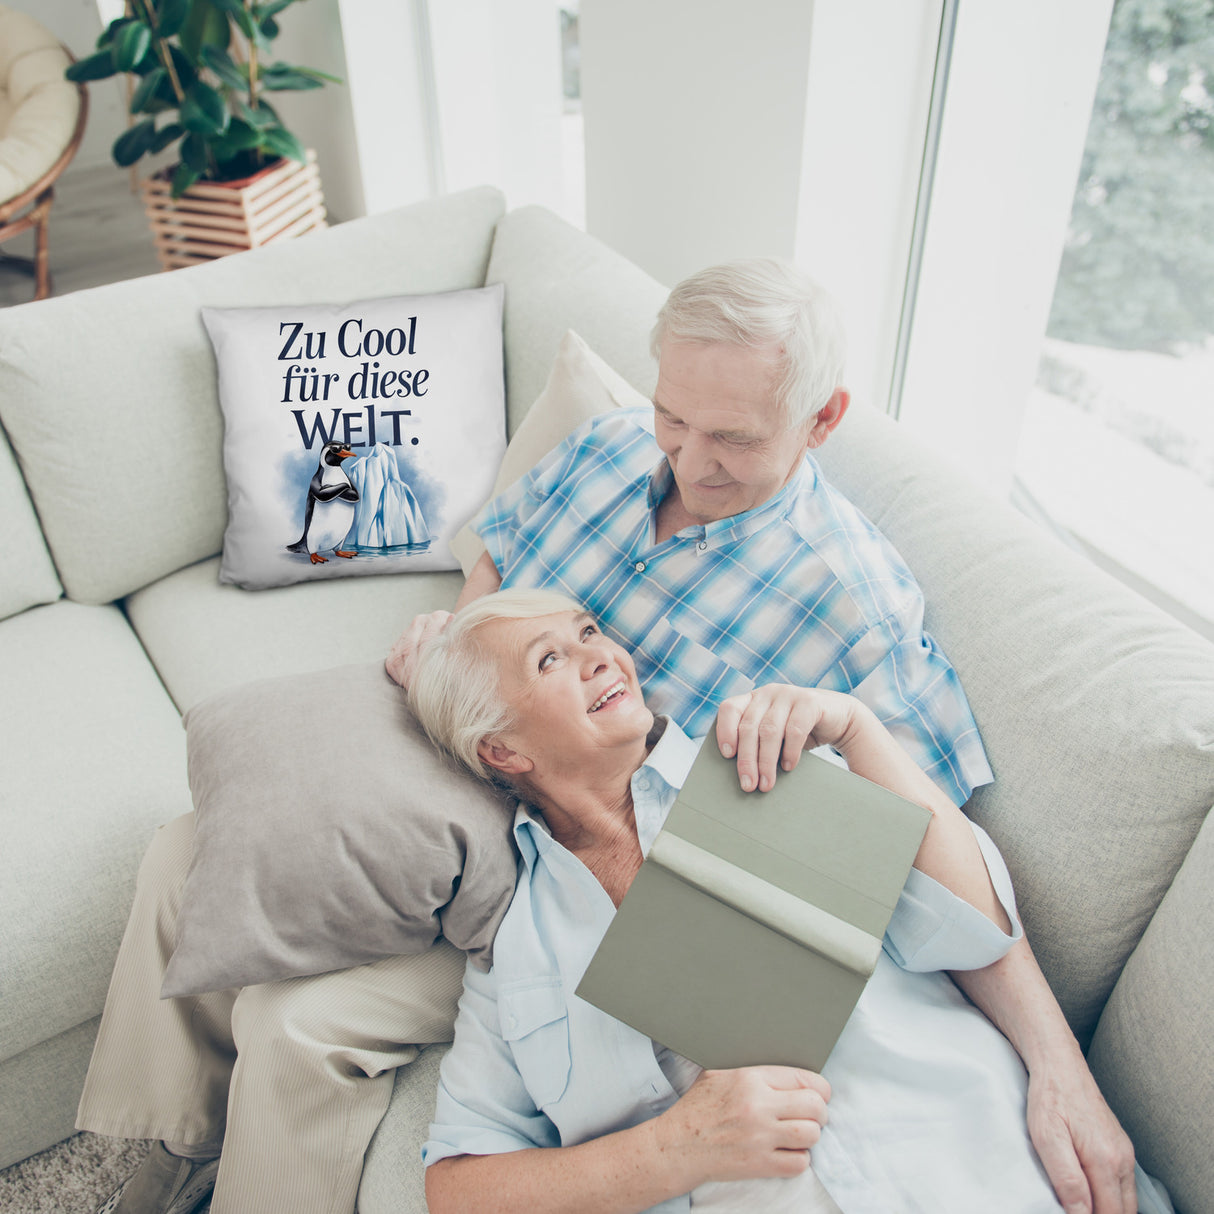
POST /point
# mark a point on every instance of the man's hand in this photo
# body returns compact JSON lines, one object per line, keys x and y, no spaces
{"x":1086,"y":1154}
{"x":749,"y":1122}
{"x":400,"y":662}
{"x":770,"y":727}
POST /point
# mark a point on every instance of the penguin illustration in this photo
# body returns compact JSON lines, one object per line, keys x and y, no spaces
{"x":329,"y":511}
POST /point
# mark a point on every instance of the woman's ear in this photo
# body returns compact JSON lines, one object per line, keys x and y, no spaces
{"x":494,"y":753}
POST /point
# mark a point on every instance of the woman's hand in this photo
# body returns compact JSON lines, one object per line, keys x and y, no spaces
{"x":401,"y":661}
{"x":750,"y":1122}
{"x":772,"y":725}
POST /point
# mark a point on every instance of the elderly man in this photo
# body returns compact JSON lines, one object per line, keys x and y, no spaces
{"x":704,"y":538}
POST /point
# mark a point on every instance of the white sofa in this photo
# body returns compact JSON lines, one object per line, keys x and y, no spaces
{"x":1097,"y":711}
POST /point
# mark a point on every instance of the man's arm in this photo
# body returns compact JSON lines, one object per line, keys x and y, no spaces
{"x":1087,"y":1155}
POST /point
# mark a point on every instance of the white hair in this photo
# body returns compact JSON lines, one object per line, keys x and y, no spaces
{"x":454,"y":691}
{"x":763,"y":303}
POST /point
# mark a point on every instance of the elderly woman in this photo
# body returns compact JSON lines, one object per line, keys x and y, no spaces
{"x":547,"y":1103}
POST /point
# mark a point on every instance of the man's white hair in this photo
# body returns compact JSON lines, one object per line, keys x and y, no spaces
{"x":455,"y":692}
{"x":763,"y":303}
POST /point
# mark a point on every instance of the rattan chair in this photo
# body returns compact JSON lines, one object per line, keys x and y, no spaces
{"x":42,"y":118}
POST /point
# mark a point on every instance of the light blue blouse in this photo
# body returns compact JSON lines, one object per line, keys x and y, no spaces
{"x":928,"y":1104}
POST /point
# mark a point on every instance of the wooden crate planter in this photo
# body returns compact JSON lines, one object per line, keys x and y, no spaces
{"x":215,"y":218}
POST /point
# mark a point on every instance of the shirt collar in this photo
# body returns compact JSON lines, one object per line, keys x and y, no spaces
{"x":655,"y":785}
{"x":737,"y":526}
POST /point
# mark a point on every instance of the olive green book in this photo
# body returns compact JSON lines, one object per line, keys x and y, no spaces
{"x":755,"y":921}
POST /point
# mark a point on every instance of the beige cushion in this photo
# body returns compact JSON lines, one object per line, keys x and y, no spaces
{"x":39,"y":107}
{"x":1096,"y":709}
{"x":329,"y":832}
{"x":1153,"y":1053}
{"x":29,"y":574}
{"x":580,"y":386}
{"x":393,"y":1180}
{"x":94,"y":761}
{"x":139,"y":490}
{"x":204,"y":638}
{"x":557,"y":278}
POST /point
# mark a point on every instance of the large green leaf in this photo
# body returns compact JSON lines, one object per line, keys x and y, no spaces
{"x":166,"y":135}
{"x":108,"y":34}
{"x":240,"y":137}
{"x":271,"y":9}
{"x":183,"y":178}
{"x":203,"y":112}
{"x":261,"y":118}
{"x":281,"y":142}
{"x":187,"y":73}
{"x":144,"y":98}
{"x":131,"y":43}
{"x":132,"y":144}
{"x":194,"y":153}
{"x":171,"y":16}
{"x":205,"y":26}
{"x":94,"y":67}
{"x":280,"y":77}
{"x":233,"y":74}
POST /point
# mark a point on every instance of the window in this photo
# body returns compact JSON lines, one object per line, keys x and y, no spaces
{"x":1117,"y":443}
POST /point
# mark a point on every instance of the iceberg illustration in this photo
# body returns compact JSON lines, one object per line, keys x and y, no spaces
{"x":387,"y":518}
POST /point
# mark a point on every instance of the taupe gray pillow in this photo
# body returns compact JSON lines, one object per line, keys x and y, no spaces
{"x":330,"y":833}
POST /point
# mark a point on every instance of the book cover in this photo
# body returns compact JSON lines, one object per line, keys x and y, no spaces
{"x":755,"y":921}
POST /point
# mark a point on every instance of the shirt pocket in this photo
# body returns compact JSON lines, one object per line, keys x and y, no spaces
{"x":535,"y":1024}
{"x":687,"y":677}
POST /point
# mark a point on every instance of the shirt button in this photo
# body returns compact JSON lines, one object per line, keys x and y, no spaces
{"x":639,"y":566}
{"x":702,"y":545}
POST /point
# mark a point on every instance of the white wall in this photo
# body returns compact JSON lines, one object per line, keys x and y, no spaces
{"x":497,"y":68}
{"x":779,"y":128}
{"x":695,"y":122}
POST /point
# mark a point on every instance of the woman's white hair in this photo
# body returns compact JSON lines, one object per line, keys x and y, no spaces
{"x":763,"y":303}
{"x":454,"y":691}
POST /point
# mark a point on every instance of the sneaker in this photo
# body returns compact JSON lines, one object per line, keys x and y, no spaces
{"x":164,"y":1184}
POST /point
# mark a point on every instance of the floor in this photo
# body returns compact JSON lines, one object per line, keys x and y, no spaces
{"x":98,"y":234}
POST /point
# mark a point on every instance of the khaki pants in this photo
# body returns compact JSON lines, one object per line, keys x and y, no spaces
{"x":293,"y":1076}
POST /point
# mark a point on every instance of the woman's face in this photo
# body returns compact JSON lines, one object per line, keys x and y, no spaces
{"x":573,"y":692}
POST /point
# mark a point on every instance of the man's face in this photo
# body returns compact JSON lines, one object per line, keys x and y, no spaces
{"x":716,"y":419}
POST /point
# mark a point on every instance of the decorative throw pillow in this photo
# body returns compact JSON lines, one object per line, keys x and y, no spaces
{"x":580,"y":386}
{"x":329,"y":832}
{"x":358,"y":438}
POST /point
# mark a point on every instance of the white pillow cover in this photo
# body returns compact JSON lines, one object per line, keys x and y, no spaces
{"x":580,"y":386}
{"x":358,"y":438}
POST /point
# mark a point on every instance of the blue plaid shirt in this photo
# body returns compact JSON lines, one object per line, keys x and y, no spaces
{"x":802,"y":589}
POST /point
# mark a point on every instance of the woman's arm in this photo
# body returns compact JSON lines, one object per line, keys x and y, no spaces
{"x":730,"y":1125}
{"x":769,"y":728}
{"x":484,"y":579}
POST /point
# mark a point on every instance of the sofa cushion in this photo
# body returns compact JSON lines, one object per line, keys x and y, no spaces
{"x":1152,"y":1054}
{"x":94,"y":761}
{"x":204,"y":637}
{"x":393,"y":1179}
{"x":129,"y":483}
{"x":329,"y":833}
{"x":558,"y":278}
{"x":1097,"y":711}
{"x":580,"y":386}
{"x":395,"y":405}
{"x":29,"y":574}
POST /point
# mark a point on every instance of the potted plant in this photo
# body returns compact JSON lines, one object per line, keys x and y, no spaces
{"x":201,"y":71}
